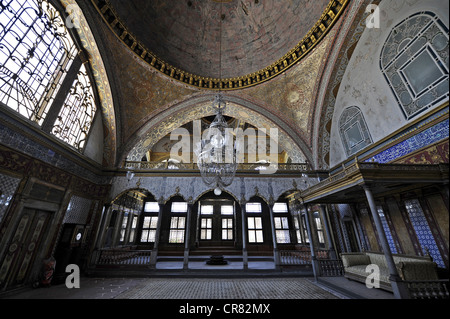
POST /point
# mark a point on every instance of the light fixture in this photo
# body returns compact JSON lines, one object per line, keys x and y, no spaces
{"x":217,"y":152}
{"x":130,"y":175}
{"x":217,"y":155}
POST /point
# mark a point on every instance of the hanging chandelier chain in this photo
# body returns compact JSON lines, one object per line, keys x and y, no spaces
{"x":217,"y":154}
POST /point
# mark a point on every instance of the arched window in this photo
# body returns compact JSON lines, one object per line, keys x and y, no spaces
{"x":41,"y":74}
{"x":415,"y":63}
{"x":353,"y":130}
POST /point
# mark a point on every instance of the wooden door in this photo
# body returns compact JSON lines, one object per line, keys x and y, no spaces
{"x":25,"y":245}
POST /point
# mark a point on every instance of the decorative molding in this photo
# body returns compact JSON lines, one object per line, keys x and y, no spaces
{"x":331,"y":14}
{"x":19,"y":163}
{"x":350,"y":33}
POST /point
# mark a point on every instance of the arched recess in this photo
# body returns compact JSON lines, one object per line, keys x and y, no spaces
{"x":200,"y":106}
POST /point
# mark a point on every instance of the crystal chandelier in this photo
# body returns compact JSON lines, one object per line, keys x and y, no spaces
{"x":217,"y":152}
{"x":217,"y":155}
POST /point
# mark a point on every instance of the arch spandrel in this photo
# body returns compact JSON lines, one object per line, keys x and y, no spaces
{"x":191,"y":110}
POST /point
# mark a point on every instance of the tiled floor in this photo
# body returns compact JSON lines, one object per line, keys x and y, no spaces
{"x":182,"y":288}
{"x":202,"y":281}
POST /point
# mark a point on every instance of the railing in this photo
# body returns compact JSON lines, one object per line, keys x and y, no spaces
{"x":301,"y":257}
{"x":295,"y":257}
{"x":116,"y":257}
{"x":142,"y":166}
{"x":331,"y":267}
{"x":430,"y":289}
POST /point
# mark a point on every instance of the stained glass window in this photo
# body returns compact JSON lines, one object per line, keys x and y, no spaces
{"x":75,"y":118}
{"x":353,"y":129}
{"x":415,"y":63}
{"x":36,"y":60}
{"x":35,"y":54}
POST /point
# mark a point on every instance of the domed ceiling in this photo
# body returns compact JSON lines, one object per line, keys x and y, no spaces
{"x":195,"y":41}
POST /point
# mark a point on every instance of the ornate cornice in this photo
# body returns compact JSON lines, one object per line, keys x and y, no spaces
{"x":360,"y":174}
{"x":331,"y":14}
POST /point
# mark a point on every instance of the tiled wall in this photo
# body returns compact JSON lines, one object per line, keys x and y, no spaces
{"x":78,"y":210}
{"x":423,"y":231}
{"x":427,"y":137}
{"x":8,"y":186}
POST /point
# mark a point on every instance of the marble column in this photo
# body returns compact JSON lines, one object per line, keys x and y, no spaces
{"x":154,"y":254}
{"x":276,"y":256}
{"x":187,"y":236}
{"x":244,"y":235}
{"x":315,"y":265}
{"x":399,"y":288}
{"x":328,"y":232}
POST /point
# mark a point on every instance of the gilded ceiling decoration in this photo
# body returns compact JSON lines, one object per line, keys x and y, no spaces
{"x":146,"y":94}
{"x":246,"y":41}
{"x":156,"y":130}
{"x":292,"y":95}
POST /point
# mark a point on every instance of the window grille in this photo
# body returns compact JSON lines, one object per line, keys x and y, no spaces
{"x":415,"y":63}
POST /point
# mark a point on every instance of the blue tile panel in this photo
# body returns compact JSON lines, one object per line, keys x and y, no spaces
{"x":414,"y":143}
{"x":388,"y":233}
{"x":423,"y":231}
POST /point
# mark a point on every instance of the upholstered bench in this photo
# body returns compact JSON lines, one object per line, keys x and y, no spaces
{"x":409,"y":267}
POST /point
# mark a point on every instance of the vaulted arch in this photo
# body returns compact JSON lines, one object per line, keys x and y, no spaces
{"x":200,"y":106}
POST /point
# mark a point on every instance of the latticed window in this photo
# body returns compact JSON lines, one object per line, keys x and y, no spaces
{"x":75,"y":118}
{"x":37,"y":57}
{"x":353,"y":129}
{"x":415,"y":63}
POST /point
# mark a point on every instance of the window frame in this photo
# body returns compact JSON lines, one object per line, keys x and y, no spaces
{"x":401,"y":50}
{"x":149,"y":229}
{"x":57,"y":90}
{"x":255,"y":230}
{"x":174,"y":231}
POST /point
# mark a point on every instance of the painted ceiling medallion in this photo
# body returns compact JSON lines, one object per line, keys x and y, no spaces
{"x":185,"y":74}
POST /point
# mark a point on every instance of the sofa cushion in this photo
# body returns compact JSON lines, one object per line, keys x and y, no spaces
{"x":349,"y":260}
{"x":421,"y":270}
{"x":360,"y":270}
{"x":378,"y":259}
